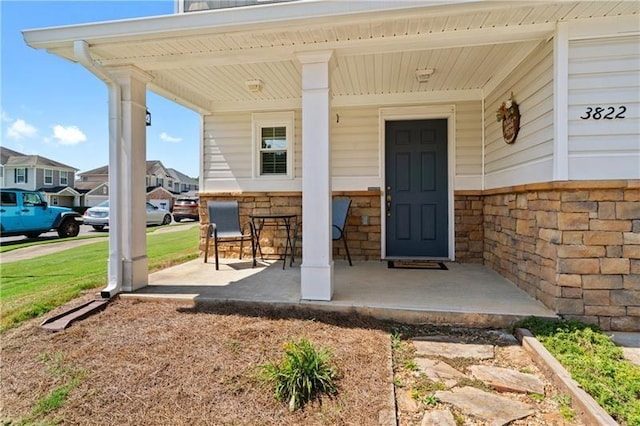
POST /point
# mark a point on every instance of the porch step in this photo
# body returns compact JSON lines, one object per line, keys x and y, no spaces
{"x":64,"y":320}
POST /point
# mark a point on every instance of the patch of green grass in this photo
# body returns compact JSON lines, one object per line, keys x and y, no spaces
{"x":425,"y":386}
{"x":595,"y":362}
{"x":427,"y":399}
{"x":403,"y":353}
{"x":537,"y":397}
{"x":31,"y":288}
{"x":474,"y":383}
{"x":70,"y":378}
{"x":411,"y":365}
{"x":564,"y":406}
{"x":304,"y":373}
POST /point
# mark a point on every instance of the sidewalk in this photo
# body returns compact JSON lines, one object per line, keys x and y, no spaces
{"x":630,"y":343}
{"x":45,"y":249}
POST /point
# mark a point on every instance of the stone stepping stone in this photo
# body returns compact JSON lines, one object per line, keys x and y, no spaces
{"x":452,"y":349}
{"x":439,"y":371}
{"x":438,"y":418}
{"x":507,"y":380}
{"x":496,"y":409}
{"x":406,"y":403}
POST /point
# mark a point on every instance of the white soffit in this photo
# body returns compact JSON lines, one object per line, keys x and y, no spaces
{"x":202,"y":60}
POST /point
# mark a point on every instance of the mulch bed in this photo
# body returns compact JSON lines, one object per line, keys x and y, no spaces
{"x":161,"y":363}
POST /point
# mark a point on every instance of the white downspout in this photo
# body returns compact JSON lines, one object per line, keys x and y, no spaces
{"x":115,"y":273}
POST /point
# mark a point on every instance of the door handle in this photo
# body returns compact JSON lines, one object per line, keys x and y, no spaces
{"x":388,"y":199}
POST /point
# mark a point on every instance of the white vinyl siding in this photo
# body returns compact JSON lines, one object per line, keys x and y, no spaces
{"x":355,"y":151}
{"x":468,"y":145}
{"x":603,"y":73}
{"x":227,"y":155}
{"x":354,"y":143}
{"x":530,"y":158}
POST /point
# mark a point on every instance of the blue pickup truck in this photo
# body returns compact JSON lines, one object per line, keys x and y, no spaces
{"x":28,"y":213}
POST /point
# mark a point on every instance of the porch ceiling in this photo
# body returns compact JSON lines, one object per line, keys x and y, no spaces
{"x":471,"y":47}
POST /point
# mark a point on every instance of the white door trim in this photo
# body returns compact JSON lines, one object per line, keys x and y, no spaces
{"x":420,"y":113}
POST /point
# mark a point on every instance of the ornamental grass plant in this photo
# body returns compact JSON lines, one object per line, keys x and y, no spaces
{"x":303,"y":373}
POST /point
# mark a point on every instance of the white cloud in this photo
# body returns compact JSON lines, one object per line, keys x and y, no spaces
{"x":20,"y":129}
{"x":167,"y":138}
{"x":70,"y":135}
{"x":5,"y":116}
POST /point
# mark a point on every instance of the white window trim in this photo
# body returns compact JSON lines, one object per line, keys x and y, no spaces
{"x":66,"y":177}
{"x":273,"y":119}
{"x":45,"y":177}
{"x":24,"y":175}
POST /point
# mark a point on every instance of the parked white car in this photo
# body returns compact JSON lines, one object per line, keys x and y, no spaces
{"x":98,"y":216}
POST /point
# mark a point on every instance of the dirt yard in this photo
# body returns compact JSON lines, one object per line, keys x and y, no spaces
{"x":163,"y":363}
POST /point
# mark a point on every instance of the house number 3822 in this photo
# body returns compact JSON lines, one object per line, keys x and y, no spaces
{"x":606,"y":113}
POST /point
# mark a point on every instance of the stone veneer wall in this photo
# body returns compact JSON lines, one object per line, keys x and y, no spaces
{"x":363,"y":239}
{"x":469,"y":231}
{"x":575,"y":246}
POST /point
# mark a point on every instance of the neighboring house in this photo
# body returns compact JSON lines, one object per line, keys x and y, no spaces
{"x":93,"y":193}
{"x":393,"y":104}
{"x":183,"y":183}
{"x":36,"y":173}
{"x":163,"y":184}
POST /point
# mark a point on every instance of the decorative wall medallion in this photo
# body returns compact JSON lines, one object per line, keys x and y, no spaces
{"x":509,"y":115}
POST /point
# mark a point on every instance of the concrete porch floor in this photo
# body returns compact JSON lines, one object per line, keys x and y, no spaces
{"x":464,"y":295}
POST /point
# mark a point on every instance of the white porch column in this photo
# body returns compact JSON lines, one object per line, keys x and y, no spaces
{"x":561,"y":102}
{"x":131,"y":186}
{"x":317,"y":263}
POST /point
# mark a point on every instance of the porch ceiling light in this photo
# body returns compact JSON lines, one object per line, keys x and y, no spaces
{"x":423,"y":75}
{"x":254,"y":86}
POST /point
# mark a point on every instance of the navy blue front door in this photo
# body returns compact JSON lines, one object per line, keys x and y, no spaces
{"x":416,"y":198}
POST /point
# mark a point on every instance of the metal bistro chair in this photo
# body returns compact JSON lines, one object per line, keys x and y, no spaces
{"x":339,"y":212}
{"x":224,"y":226}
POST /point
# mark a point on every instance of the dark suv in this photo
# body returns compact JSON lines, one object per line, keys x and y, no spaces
{"x":185,"y":208}
{"x":27,"y":213}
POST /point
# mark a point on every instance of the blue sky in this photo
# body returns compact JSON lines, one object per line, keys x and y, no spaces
{"x":57,"y":109}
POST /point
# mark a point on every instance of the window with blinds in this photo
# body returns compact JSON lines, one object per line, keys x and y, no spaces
{"x":273,"y":142}
{"x":273,"y":151}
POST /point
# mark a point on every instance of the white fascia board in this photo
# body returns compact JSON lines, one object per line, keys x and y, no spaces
{"x":408,"y":98}
{"x":615,"y":26}
{"x":247,"y":18}
{"x":413,"y":98}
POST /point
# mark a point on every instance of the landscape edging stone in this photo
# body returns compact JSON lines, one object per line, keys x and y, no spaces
{"x":588,"y":409}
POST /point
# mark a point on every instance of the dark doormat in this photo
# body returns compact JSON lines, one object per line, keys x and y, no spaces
{"x":416,"y":264}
